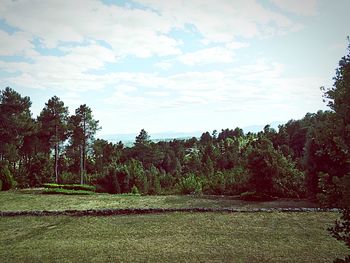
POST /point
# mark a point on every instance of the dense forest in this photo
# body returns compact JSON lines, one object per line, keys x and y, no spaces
{"x":304,"y":158}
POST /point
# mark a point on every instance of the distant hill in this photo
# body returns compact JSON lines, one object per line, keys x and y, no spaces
{"x":257,"y":128}
{"x":129,"y":138}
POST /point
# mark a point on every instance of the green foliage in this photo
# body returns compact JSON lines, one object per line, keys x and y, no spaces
{"x":215,"y":184}
{"x":134,"y":190}
{"x":153,"y":177}
{"x":143,"y":138}
{"x":338,"y":150}
{"x":68,"y":178}
{"x":6,"y":178}
{"x":53,"y":120}
{"x":0,"y":185}
{"x":66,"y":191}
{"x":15,"y":123}
{"x":109,"y":182}
{"x":341,"y":231}
{"x":39,"y":170}
{"x":82,"y":130}
{"x":190,"y":184}
{"x":71,"y":187}
{"x":271,"y":172}
{"x":236,"y":180}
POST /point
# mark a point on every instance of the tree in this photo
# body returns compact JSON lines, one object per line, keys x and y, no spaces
{"x":54,"y":119}
{"x":15,"y":122}
{"x":83,"y":128}
{"x":339,"y":102}
{"x":143,"y":138}
{"x":271,"y":172}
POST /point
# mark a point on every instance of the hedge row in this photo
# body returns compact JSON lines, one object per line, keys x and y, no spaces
{"x":66,"y":191}
{"x":71,"y":187}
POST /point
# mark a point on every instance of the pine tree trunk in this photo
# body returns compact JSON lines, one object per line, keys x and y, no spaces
{"x":56,"y":162}
{"x":81,"y":166}
{"x":84,"y":148}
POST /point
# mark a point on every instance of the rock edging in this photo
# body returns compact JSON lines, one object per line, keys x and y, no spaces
{"x":139,"y":211}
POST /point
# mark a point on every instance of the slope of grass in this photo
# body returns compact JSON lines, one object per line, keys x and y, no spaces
{"x":176,"y":237}
{"x":29,"y":200}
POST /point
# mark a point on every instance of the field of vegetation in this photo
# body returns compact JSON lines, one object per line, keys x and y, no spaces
{"x":26,"y":200}
{"x":181,"y":237}
{"x":176,"y":237}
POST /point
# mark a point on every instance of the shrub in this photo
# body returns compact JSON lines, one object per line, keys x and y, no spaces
{"x":109,"y":182}
{"x":271,"y":173}
{"x":236,"y":180}
{"x":216,"y":183}
{"x":134,"y":190}
{"x":6,"y":176}
{"x":190,"y":185}
{"x":341,"y":231}
{"x":0,"y":185}
{"x":38,"y":171}
{"x":66,"y":191}
{"x":71,"y":187}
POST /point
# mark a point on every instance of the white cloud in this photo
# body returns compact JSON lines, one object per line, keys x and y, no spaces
{"x":90,"y":35}
{"x":164,"y":65}
{"x":129,"y":31}
{"x":207,"y":56}
{"x":299,"y":7}
{"x":237,"y":45}
{"x":17,"y":43}
{"x":224,"y":20}
{"x":62,"y":72}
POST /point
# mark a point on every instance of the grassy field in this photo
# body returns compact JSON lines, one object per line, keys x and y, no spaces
{"x":168,"y":237}
{"x":29,"y":200}
{"x":175,"y":237}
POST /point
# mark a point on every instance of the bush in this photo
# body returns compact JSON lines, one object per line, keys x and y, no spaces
{"x":341,"y":231}
{"x":216,"y":183}
{"x":190,"y":185}
{"x":71,"y":187}
{"x":38,"y":171}
{"x":134,"y":190}
{"x":109,"y":182}
{"x":66,"y":191}
{"x":6,"y":177}
{"x":236,"y":180}
{"x":271,"y":173}
{"x":0,"y":185}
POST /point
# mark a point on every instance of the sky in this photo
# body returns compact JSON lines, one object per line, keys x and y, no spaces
{"x":178,"y":66}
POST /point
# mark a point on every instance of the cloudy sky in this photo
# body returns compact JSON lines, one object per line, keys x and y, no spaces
{"x":174,"y":65}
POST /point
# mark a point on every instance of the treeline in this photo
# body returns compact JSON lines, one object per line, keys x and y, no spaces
{"x":304,"y":158}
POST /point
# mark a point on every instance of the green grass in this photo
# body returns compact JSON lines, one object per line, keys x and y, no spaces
{"x":174,"y":237}
{"x":33,"y":200}
{"x":52,"y":191}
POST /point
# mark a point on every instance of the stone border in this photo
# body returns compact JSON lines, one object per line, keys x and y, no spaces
{"x":140,"y":211}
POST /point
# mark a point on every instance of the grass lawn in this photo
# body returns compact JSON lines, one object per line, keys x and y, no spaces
{"x":173,"y":237}
{"x":29,"y":200}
